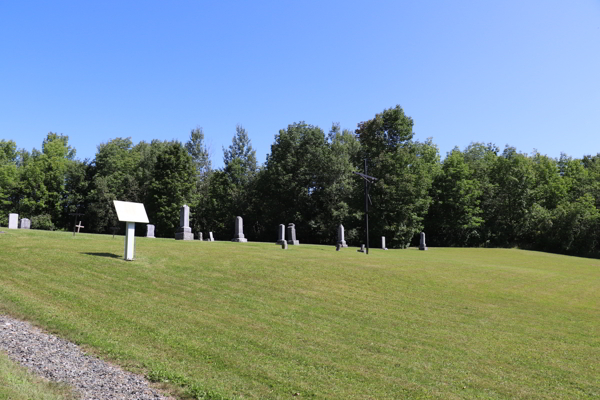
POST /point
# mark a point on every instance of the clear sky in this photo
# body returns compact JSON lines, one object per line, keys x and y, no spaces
{"x":518,"y":72}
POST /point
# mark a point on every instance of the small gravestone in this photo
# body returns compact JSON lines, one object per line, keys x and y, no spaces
{"x":383,"y":243}
{"x":25,"y":223}
{"x":210,"y":237}
{"x":150,"y":231}
{"x":184,"y":232}
{"x":362,"y":249}
{"x":239,"y":231}
{"x":200,"y":236}
{"x":291,"y":233}
{"x":281,"y":234}
{"x":338,"y":247}
{"x":422,"y":245}
{"x":284,"y":245}
{"x":13,"y":221}
{"x":341,"y":240}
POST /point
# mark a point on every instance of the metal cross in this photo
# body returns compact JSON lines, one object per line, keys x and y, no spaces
{"x":368,"y":181}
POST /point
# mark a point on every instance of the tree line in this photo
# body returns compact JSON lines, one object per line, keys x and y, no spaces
{"x":479,"y":196}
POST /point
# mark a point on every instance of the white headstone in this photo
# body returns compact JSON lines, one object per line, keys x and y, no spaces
{"x":150,"y":231}
{"x":383,"y":243}
{"x":341,"y":240}
{"x":239,"y":231}
{"x":25,"y":223}
{"x":13,"y":221}
{"x":210,"y":237}
{"x":362,"y":248}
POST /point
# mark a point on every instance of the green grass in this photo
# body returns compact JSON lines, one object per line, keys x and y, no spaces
{"x":249,"y":320}
{"x":16,"y":383}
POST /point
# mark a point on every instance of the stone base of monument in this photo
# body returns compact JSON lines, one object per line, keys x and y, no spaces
{"x":422,"y":247}
{"x":184,"y":234}
{"x":239,"y":240}
{"x":342,"y":243}
{"x":293,"y":242}
{"x":281,"y":242}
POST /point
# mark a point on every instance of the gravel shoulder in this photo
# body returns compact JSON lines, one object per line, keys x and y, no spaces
{"x":61,"y":361}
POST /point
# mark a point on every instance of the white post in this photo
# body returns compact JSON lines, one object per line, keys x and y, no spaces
{"x":130,"y":241}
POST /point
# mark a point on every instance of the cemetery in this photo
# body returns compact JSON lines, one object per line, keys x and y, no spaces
{"x":253,"y":321}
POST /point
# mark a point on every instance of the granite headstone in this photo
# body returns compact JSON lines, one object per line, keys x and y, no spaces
{"x":184,"y":232}
{"x":291,"y":233}
{"x":239,"y":231}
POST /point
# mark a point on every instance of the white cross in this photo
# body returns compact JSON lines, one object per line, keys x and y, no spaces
{"x":79,"y":226}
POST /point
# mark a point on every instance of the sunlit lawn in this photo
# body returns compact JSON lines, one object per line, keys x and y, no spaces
{"x":250,"y":320}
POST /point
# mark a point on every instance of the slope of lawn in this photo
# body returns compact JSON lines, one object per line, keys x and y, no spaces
{"x":16,"y":383}
{"x":253,"y":321}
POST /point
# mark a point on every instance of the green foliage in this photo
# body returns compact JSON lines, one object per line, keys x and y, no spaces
{"x":43,"y":222}
{"x":405,"y":172}
{"x":171,"y":187}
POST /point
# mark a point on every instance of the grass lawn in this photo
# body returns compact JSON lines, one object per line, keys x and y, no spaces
{"x":249,"y":320}
{"x":16,"y":383}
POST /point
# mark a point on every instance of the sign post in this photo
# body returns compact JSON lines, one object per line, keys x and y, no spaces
{"x":130,"y":213}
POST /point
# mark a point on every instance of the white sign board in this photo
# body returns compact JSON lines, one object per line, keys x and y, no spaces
{"x":131,"y":212}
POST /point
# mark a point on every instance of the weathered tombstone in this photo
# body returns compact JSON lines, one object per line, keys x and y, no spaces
{"x":130,"y":213}
{"x":284,"y":245}
{"x":281,"y":234}
{"x":184,"y":232}
{"x":362,"y":249}
{"x":422,"y":245}
{"x":150,"y":231}
{"x":200,"y":236}
{"x":210,"y":237}
{"x":341,"y":240}
{"x":291,"y":232}
{"x":383,"y":243}
{"x":13,"y":221}
{"x":239,"y":231}
{"x":25,"y":223}
{"x":338,"y":247}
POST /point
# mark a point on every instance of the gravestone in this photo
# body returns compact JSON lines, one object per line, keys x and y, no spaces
{"x":291,"y":232}
{"x":210,"y":237}
{"x":239,"y":231}
{"x":184,"y":232}
{"x":150,"y":231}
{"x":13,"y":221}
{"x":383,"y":243}
{"x":25,"y":223}
{"x":284,"y":245}
{"x":362,"y":249}
{"x":281,"y":234}
{"x":338,"y":247}
{"x":422,"y":245}
{"x":200,"y":236}
{"x":341,"y":240}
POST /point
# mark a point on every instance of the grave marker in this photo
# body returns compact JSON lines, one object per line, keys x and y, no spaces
{"x":150,"y":231}
{"x":184,"y":232}
{"x":341,"y":240}
{"x":291,"y":232}
{"x":239,"y":231}
{"x":281,"y":234}
{"x":25,"y":223}
{"x":422,"y":245}
{"x":13,"y":221}
{"x":383,"y":243}
{"x":79,"y":226}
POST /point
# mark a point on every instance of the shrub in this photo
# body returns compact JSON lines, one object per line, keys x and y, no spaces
{"x":43,"y":222}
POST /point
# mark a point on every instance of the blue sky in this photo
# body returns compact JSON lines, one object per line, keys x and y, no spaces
{"x":524,"y":73}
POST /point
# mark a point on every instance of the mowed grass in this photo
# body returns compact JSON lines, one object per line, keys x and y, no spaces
{"x":252,"y":321}
{"x":16,"y":383}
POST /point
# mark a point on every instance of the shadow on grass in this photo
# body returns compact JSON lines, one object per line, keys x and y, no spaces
{"x":109,"y":255}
